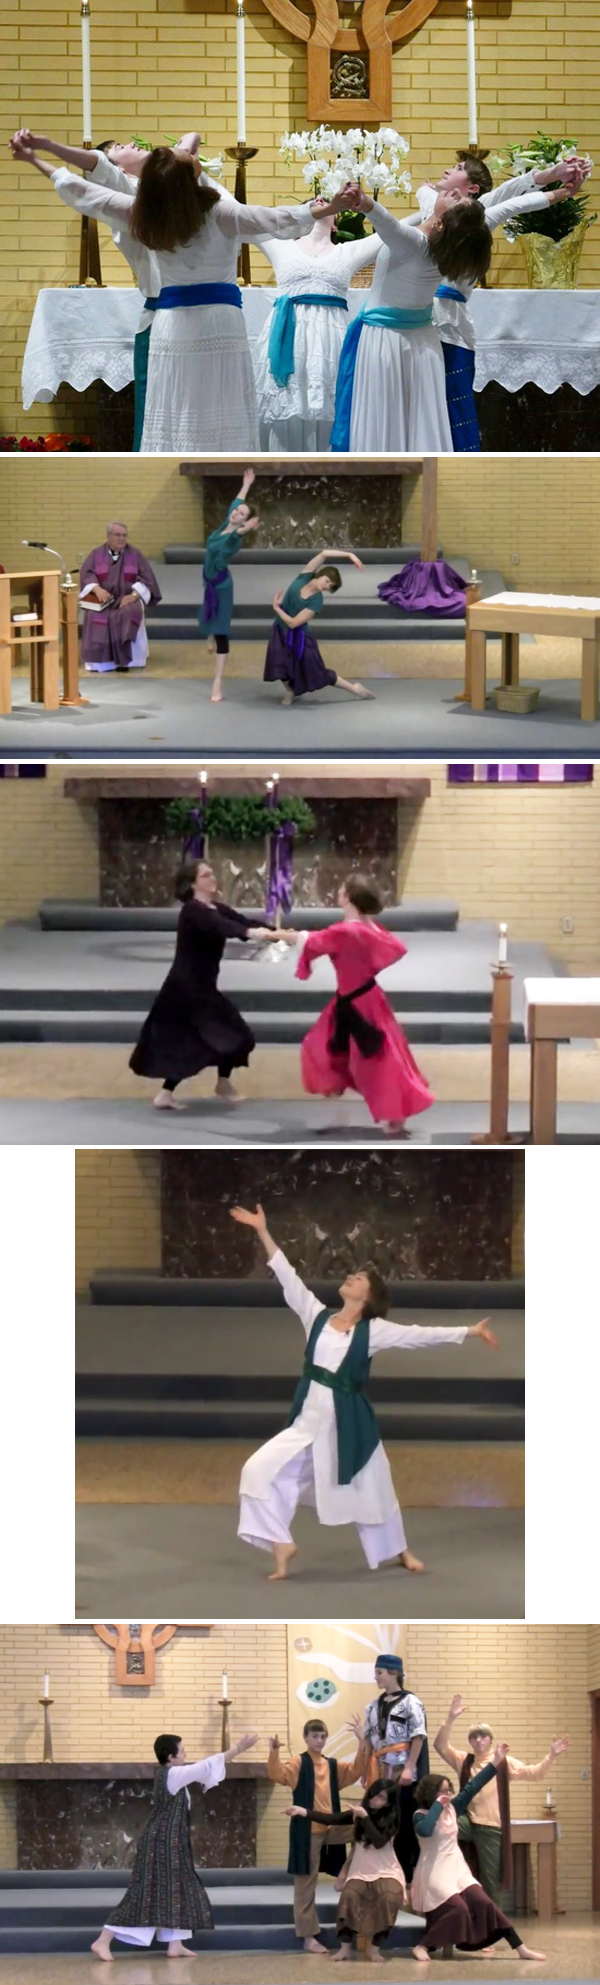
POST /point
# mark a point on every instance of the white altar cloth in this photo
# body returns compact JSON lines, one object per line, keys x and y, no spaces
{"x":547,"y":336}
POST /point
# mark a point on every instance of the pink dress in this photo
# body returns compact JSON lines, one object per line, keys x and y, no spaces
{"x":341,"y":1052}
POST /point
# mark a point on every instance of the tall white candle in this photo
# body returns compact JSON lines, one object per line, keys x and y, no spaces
{"x":46,"y":1686}
{"x":241,"y":74}
{"x":86,"y":72}
{"x":471,"y":74}
{"x":224,"y":1685}
{"x":502,"y":944}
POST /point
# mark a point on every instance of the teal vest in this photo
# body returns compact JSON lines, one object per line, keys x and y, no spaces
{"x":332,"y":1859}
{"x":357,"y":1430}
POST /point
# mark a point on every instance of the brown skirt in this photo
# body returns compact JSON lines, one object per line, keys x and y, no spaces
{"x":469,"y":1919}
{"x":369,"y":1908}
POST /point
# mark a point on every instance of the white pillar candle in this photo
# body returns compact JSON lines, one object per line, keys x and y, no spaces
{"x":224,"y":1685}
{"x":203,"y":777}
{"x":45,"y":1686}
{"x":86,"y":72}
{"x":241,"y":74}
{"x":502,"y":944}
{"x":471,"y":74}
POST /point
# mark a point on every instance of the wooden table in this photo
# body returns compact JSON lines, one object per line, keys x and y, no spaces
{"x":556,"y":1010}
{"x":543,"y":1835}
{"x":424,"y":466}
{"x":512,"y":614}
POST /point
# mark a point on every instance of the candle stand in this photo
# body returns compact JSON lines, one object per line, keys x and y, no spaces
{"x":241,"y":153}
{"x":225,"y":1705}
{"x":498,"y":1132}
{"x":46,"y":1704}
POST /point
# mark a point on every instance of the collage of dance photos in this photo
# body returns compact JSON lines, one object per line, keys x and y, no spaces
{"x":299,"y":989}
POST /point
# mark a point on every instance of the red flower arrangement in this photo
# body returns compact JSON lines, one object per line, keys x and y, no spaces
{"x":45,"y":444}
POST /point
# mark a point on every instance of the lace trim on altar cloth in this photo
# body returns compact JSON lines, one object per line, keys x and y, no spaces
{"x":514,"y":365}
{"x":46,"y":371}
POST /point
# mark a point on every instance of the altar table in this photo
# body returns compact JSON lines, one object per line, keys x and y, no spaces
{"x":542,"y":1834}
{"x":549,"y":337}
{"x":556,"y":1010}
{"x":512,"y":614}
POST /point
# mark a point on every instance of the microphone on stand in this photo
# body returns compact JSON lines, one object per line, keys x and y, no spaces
{"x":35,"y":544}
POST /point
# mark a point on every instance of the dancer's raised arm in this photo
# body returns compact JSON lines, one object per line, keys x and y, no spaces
{"x":322,"y":558}
{"x":25,"y":140}
{"x":298,"y":1298}
{"x":384,"y":1336}
{"x":207,"y":1771}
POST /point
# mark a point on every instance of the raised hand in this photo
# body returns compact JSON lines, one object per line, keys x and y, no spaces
{"x":247,"y":1742}
{"x":483,"y":1330}
{"x":355,"y":1723}
{"x":558,"y":1745}
{"x":457,"y":1707}
{"x":500,"y":1753}
{"x":257,"y":1220}
{"x":356,"y":561}
{"x":273,"y":1743}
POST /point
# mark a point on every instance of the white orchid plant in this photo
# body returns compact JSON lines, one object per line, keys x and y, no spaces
{"x":328,"y":159}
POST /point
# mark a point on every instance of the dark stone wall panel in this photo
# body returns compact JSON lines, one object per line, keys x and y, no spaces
{"x":91,"y":1825}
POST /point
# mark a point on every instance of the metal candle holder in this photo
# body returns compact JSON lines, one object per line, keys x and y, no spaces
{"x":241,"y":153}
{"x":46,"y":1704}
{"x":225,"y":1704}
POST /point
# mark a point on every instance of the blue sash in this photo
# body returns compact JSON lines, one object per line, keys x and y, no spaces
{"x":181,"y":294}
{"x":389,"y":320}
{"x":455,"y":295}
{"x":283,"y":331}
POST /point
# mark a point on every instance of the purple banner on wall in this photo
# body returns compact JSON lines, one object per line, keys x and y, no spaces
{"x":23,"y":771}
{"x":547,"y":774}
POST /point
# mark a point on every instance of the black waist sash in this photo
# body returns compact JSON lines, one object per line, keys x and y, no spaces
{"x":347,"y":1024}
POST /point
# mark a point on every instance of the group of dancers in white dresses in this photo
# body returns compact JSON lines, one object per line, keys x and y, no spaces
{"x":377,"y":383}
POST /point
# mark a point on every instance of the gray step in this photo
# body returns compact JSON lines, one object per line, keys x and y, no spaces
{"x":245,"y":1420}
{"x":122,"y":1286}
{"x":57,"y":913}
{"x":270,"y":1029}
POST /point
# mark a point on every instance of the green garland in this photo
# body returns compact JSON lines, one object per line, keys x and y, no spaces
{"x":240,"y":816}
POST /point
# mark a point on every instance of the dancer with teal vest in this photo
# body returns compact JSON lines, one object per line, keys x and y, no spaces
{"x":214,"y":618}
{"x":316,"y":1783}
{"x":330,"y":1455}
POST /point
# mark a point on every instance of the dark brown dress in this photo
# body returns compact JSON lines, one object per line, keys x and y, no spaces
{"x":191,"y":1024}
{"x":165,"y":1892}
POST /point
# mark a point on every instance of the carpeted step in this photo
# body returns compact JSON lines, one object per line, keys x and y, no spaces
{"x":257,"y":554}
{"x":258,"y":1292}
{"x":415,"y":913}
{"x":270,"y":1029}
{"x":51,"y":1911}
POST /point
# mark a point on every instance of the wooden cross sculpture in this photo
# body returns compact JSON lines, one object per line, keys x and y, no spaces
{"x":134,"y":1649}
{"x":349,"y":77}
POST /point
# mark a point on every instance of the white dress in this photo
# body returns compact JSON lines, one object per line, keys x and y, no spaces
{"x":301,"y":1463}
{"x":209,"y":1772}
{"x":201,"y":391}
{"x":299,"y":417}
{"x":514,"y":196}
{"x":399,"y":399}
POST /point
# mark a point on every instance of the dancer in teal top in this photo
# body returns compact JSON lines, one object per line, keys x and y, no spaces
{"x":214,"y":617}
{"x":293,"y":655}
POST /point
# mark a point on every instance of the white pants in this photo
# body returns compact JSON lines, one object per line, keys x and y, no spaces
{"x":145,"y":1936}
{"x":267,"y":1523}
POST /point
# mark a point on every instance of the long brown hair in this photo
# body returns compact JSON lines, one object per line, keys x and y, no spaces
{"x":462,"y":244}
{"x":170,"y":205}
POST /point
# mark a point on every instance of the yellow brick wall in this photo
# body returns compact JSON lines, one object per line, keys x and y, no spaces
{"x":593,"y":1657}
{"x":68,"y":502}
{"x":529,"y":858}
{"x":49,"y":844}
{"x":155,"y":72}
{"x":527,"y":1681}
{"x":117,"y":1212}
{"x":545,"y":510}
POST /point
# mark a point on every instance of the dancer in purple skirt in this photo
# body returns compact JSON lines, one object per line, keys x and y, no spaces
{"x":293,"y":654}
{"x":444,"y":1889}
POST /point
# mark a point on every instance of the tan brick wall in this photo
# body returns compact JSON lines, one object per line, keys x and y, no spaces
{"x":528,"y":857}
{"x":527,"y":1681}
{"x":593,"y":1657}
{"x":546,"y":511}
{"x":117,"y":1212}
{"x":537,"y":66}
{"x":49,"y":845}
{"x":69,"y":500}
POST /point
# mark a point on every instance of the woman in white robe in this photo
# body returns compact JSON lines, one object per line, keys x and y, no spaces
{"x":296,"y":413}
{"x":201,"y":392}
{"x":394,"y":402}
{"x":301,"y":1464}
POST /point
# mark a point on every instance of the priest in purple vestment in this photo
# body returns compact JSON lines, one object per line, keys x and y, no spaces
{"x":120,"y":582}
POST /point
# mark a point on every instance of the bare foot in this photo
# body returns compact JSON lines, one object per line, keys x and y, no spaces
{"x":420,"y":1952}
{"x":282,"y":1554}
{"x":341,"y":1956}
{"x":288,"y":699}
{"x":531,"y":1957}
{"x":166,"y":1101}
{"x":367,"y":695}
{"x":211,"y":645}
{"x":225,"y":1091}
{"x":391,"y":1129}
{"x":180,"y":1950}
{"x":217,"y":696}
{"x":102,"y":1949}
{"x":312,"y":1944}
{"x":409,"y":1562}
{"x":375,"y":1955}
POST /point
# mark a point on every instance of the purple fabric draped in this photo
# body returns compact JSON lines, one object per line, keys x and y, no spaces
{"x":295,"y":638}
{"x":426,"y":586}
{"x":211,"y":602}
{"x":280,"y":893}
{"x":195,"y":845}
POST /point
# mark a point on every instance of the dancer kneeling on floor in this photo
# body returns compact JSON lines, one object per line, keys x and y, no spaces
{"x":357,"y":1042}
{"x":166,"y":1898}
{"x":293,"y":655}
{"x":374,"y":1888}
{"x":217,"y":606}
{"x":192,"y":1025}
{"x":330,"y":1455}
{"x":444,"y":1890}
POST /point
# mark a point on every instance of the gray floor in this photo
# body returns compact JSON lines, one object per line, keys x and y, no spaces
{"x":95,"y":1122}
{"x":154,"y":1558}
{"x":417,"y":718}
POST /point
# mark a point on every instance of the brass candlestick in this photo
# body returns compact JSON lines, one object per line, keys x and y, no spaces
{"x":46,"y":1704}
{"x":89,"y":246}
{"x":225,"y":1704}
{"x":241,"y":153}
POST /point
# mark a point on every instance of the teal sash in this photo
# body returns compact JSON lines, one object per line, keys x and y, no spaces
{"x":387,"y":319}
{"x":282,"y":333}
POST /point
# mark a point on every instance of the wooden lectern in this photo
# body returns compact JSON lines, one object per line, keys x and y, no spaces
{"x":37,"y":640}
